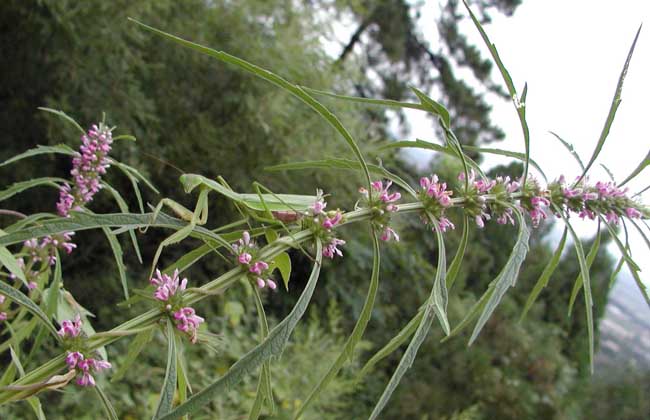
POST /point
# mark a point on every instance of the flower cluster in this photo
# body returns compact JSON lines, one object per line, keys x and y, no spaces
{"x":383,"y":202}
{"x":245,"y":250}
{"x":169,"y":291}
{"x":77,"y":358}
{"x":436,"y":199}
{"x":588,"y":201}
{"x":322,"y":223}
{"x":88,"y":165}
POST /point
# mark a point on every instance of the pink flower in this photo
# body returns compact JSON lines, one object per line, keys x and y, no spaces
{"x":2,"y":299}
{"x":73,"y":358}
{"x":389,"y":234}
{"x":244,"y":258}
{"x":330,"y":222}
{"x":444,"y":224}
{"x":331,"y":249}
{"x":319,"y":205}
{"x":3,"y":316}
{"x":71,"y":328}
{"x":434,"y":189}
{"x":167,"y":286}
{"x":271,"y":284}
{"x":612,"y":217}
{"x":384,"y":195}
{"x":258,"y":267}
{"x":86,"y":379}
{"x":188,"y":322}
{"x":32,"y":285}
{"x":633,"y":213}
{"x":506,"y":217}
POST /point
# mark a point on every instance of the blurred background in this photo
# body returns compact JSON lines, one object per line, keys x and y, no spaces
{"x":193,"y":114}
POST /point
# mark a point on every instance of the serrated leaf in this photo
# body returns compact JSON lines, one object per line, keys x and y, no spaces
{"x":616,"y":100}
{"x":19,"y":187}
{"x":273,"y":345}
{"x":430,"y":312}
{"x":507,"y":277}
{"x":356,"y":335}
{"x":169,"y":383}
{"x":544,"y":278}
{"x":40,"y":150}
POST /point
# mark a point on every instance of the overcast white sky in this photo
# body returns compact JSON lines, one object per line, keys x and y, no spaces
{"x":571,"y":53}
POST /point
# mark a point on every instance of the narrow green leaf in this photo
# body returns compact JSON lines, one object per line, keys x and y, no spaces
{"x":433,"y":107}
{"x":125,"y":209}
{"x":616,"y":100}
{"x":591,"y":256}
{"x":544,"y":278}
{"x":645,"y":162}
{"x":454,"y":267}
{"x":19,"y":297}
{"x":357,"y":332}
{"x":430,"y":312}
{"x":40,"y":150}
{"x":508,"y":153}
{"x":632,"y":266}
{"x":337,"y":163}
{"x":119,"y":259}
{"x":131,"y":172}
{"x":586,"y":283}
{"x":571,"y":150}
{"x":83,"y":221}
{"x":33,"y":402}
{"x":507,"y":277}
{"x":135,"y":348}
{"x":616,"y":271}
{"x":276,"y":80}
{"x":273,"y":345}
{"x":169,"y":383}
{"x":8,"y":260}
{"x":111,"y":414}
{"x":368,"y":101}
{"x":19,"y":187}
{"x":392,"y":345}
{"x":519,"y":105}
{"x":64,"y":117}
{"x":266,"y":392}
{"x":125,"y":137}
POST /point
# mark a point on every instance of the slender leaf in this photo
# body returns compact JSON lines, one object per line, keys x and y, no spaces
{"x":645,"y":162}
{"x":111,"y":414}
{"x":454,"y":267}
{"x":586,"y":283}
{"x":125,"y":209}
{"x":135,"y":348}
{"x":131,"y":172}
{"x":508,"y":153}
{"x":119,"y":259}
{"x":519,"y":104}
{"x":430,"y":312}
{"x":591,"y":256}
{"x":612,"y":109}
{"x":357,"y":332}
{"x":544,"y":278}
{"x":8,"y":260}
{"x":276,"y":80}
{"x":392,"y":345}
{"x":19,"y":297}
{"x":169,"y":383}
{"x":616,"y":271}
{"x":368,"y":101}
{"x":64,"y":117}
{"x":507,"y":277}
{"x":19,"y":187}
{"x":571,"y":150}
{"x":40,"y":150}
{"x":433,"y":107}
{"x":273,"y":345}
